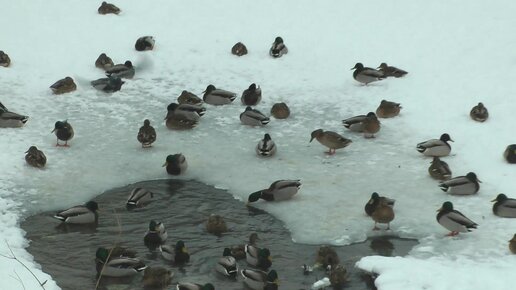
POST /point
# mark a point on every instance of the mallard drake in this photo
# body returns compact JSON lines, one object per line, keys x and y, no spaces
{"x":187,"y":97}
{"x":216,"y":225}
{"x":375,"y":200}
{"x":383,"y":213}
{"x":252,"y":95}
{"x":239,"y":49}
{"x":217,"y":97}
{"x":391,"y":71}
{"x":512,"y":244}
{"x":258,"y":257}
{"x":108,"y":8}
{"x":436,"y":147}
{"x":176,"y":164}
{"x":371,"y":125}
{"x":178,"y":255}
{"x":509,"y":154}
{"x":266,"y":147}
{"x":388,"y":109}
{"x":144,"y":43}
{"x":194,"y":286}
{"x":227,"y":265}
{"x":278,"y":48}
{"x":461,"y":185}
{"x":10,"y":119}
{"x":185,"y":111}
{"x":79,"y":214}
{"x":338,"y":276}
{"x":109,"y":266}
{"x":155,"y":236}
{"x":330,"y":139}
{"x":35,"y":157}
{"x":479,"y":113}
{"x":5,"y":61}
{"x":260,"y":280}
{"x":63,"y":86}
{"x":124,"y":71}
{"x":138,"y":197}
{"x":366,"y":75}
{"x":63,"y":131}
{"x":504,"y":206}
{"x":356,"y":123}
{"x":439,"y":169}
{"x":146,"y":134}
{"x":280,"y":111}
{"x":157,"y":277}
{"x":118,"y":251}
{"x":253,"y":117}
{"x":104,"y":62}
{"x":326,"y":256}
{"x":279,"y":190}
{"x":238,"y":251}
{"x":108,"y":85}
{"x":454,"y":220}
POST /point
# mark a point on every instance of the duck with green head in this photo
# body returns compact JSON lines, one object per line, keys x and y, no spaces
{"x":10,"y":119}
{"x":156,"y":235}
{"x":366,"y":75}
{"x":504,"y":206}
{"x":453,"y":220}
{"x":510,"y":153}
{"x":138,"y":197}
{"x":110,"y":84}
{"x":260,"y":280}
{"x":461,"y":185}
{"x":258,"y":257}
{"x":279,"y":190}
{"x":178,"y":255}
{"x":176,"y":164}
{"x":218,"y":97}
{"x":64,"y":132}
{"x":227,"y":265}
{"x":121,"y":266}
{"x":436,"y":147}
{"x":123,"y":71}
{"x":80,"y":214}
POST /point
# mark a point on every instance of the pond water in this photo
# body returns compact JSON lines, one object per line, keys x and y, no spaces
{"x":67,"y":252}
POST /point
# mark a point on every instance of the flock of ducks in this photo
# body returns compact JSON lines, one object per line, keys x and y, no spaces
{"x":186,"y":114}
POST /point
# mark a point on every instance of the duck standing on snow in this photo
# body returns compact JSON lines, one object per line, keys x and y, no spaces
{"x":155,"y":236}
{"x":504,"y":206}
{"x":388,"y":109}
{"x":436,"y":147}
{"x":366,"y":75}
{"x":178,"y":255}
{"x":279,"y":190}
{"x":146,"y":135}
{"x":80,"y":214}
{"x":239,"y":49}
{"x":185,"y":111}
{"x":63,"y":86}
{"x":35,"y":157}
{"x":266,"y":147}
{"x":108,"y":8}
{"x":330,"y":139}
{"x":116,"y":266}
{"x":479,"y":113}
{"x":253,"y":117}
{"x":108,"y":85}
{"x":217,"y":97}
{"x":195,"y":286}
{"x":252,"y":95}
{"x":374,"y":202}
{"x":454,"y":220}
{"x":176,"y":164}
{"x":278,"y":48}
{"x":187,"y":97}
{"x":280,"y":111}
{"x":512,"y":244}
{"x":10,"y":119}
{"x":227,"y":265}
{"x":104,"y":62}
{"x":371,"y":125}
{"x":64,"y":132}
{"x":124,"y":71}
{"x":383,"y":213}
{"x":439,"y":169}
{"x":391,"y":71}
{"x":144,"y":43}
{"x":461,"y":185}
{"x":509,"y":154}
{"x":259,"y":280}
{"x":5,"y":61}
{"x":358,"y":123}
{"x":138,"y":197}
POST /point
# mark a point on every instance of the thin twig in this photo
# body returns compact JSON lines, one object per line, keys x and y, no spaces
{"x":13,"y":257}
{"x":18,"y":278}
{"x":111,"y":250}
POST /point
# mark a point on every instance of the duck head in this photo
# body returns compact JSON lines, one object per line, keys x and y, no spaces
{"x":180,"y":247}
{"x":473,"y":177}
{"x":500,"y":197}
{"x":209,"y":89}
{"x":92,"y":206}
{"x":447,"y":206}
{"x":359,"y":65}
{"x":445,"y":137}
{"x":316,"y":134}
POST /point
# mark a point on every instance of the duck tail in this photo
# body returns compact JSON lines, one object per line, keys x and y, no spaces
{"x":444,"y":187}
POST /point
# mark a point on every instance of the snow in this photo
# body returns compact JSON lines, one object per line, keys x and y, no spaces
{"x":451,"y":49}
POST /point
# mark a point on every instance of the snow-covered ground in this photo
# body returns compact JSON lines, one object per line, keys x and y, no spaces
{"x":457,"y":53}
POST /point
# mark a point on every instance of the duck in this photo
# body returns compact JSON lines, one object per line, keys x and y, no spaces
{"x":157,"y":277}
{"x":338,"y":276}
{"x":63,"y":86}
{"x":388,"y":109}
{"x":10,"y":119}
{"x":144,"y":43}
{"x":258,"y":257}
{"x":509,"y":154}
{"x":436,"y":147}
{"x":383,"y":213}
{"x":266,"y":147}
{"x":121,"y":266}
{"x":375,"y":201}
{"x":439,"y":169}
{"x":239,"y":49}
{"x":355,"y":123}
{"x":194,"y":286}
{"x":279,"y":190}
{"x":108,"y":8}
{"x":253,"y":117}
{"x":146,"y":134}
{"x":178,"y":255}
{"x":252,"y":95}
{"x":366,"y":75}
{"x":479,"y":113}
{"x":461,"y":185}
{"x":504,"y":206}
{"x":35,"y":157}
{"x":512,"y":244}
{"x":187,"y":97}
{"x":260,"y":280}
{"x":371,"y":125}
{"x":454,"y":220}
{"x":177,"y":122}
{"x":185,"y":111}
{"x":64,"y":132}
{"x":330,"y":139}
{"x":326,"y":256}
{"x":138,"y":197}
{"x":278,"y":48}
{"x":123,"y":71}
{"x":104,"y":62}
{"x":5,"y":61}
{"x":79,"y":214}
{"x":108,"y":85}
{"x":391,"y":71}
{"x":217,"y":97}
{"x":280,"y":110}
{"x":238,"y":251}
{"x":227,"y":265}
{"x":176,"y":164}
{"x":155,"y":236}
{"x":118,"y":251}
{"x":216,"y":225}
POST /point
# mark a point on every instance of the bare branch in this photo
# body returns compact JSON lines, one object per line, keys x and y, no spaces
{"x":18,"y":278}
{"x":117,"y":217}
{"x":13,"y":257}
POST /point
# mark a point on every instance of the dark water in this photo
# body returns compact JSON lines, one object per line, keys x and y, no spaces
{"x":67,"y":253}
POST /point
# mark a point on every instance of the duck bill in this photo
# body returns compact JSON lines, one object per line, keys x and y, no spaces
{"x":184,"y":250}
{"x":311,"y":139}
{"x":164,"y":164}
{"x":493,"y":200}
{"x":53,"y":130}
{"x":440,"y":209}
{"x":479,"y":180}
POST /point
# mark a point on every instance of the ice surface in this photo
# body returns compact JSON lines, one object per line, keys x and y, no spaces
{"x":457,"y":54}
